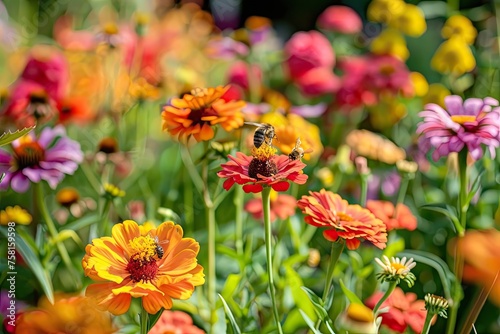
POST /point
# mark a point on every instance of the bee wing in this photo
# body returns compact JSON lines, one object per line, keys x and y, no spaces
{"x":254,"y":124}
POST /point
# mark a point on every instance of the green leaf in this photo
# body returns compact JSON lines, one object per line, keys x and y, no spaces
{"x":294,"y":283}
{"x":329,"y":298}
{"x":234,"y":326}
{"x":448,"y":212}
{"x":394,"y":247}
{"x":153,"y":318}
{"x":317,"y":303}
{"x":475,"y":186}
{"x":34,"y":263}
{"x":349,"y":294}
{"x":309,"y":323}
{"x":230,"y":289}
{"x":68,"y":234}
{"x":437,"y":263}
{"x":9,"y":137}
{"x":83,"y":222}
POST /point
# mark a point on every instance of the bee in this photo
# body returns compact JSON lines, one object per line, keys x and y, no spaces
{"x":264,"y":133}
{"x":298,"y":152}
{"x":159,"y":249}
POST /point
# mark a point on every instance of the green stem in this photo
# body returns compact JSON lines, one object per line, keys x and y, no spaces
{"x":238,"y":203}
{"x":386,"y":295}
{"x":459,"y":261}
{"x":401,"y":194}
{"x":337,"y":248}
{"x":51,"y":227}
{"x":266,"y":204}
{"x":104,"y":223}
{"x":364,"y":189}
{"x":427,"y":323}
{"x":144,"y":320}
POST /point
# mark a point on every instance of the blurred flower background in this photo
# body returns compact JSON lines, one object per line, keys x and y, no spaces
{"x":241,"y":166}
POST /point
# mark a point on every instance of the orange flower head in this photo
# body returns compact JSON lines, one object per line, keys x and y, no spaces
{"x":385,"y":211}
{"x":482,"y":260}
{"x":128,"y":264}
{"x":342,"y":220}
{"x":282,"y":206}
{"x":194,"y":114}
{"x":75,"y":314}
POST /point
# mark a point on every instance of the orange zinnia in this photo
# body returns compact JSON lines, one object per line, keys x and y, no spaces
{"x":384,"y":210}
{"x":128,"y":264}
{"x":68,"y":314}
{"x":195,"y":114}
{"x":342,"y":220}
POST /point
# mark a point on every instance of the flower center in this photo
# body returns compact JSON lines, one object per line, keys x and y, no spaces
{"x":142,"y":265}
{"x":462,"y":119}
{"x":263,"y":167}
{"x":387,"y":69}
{"x":344,"y":217}
{"x":110,"y":29}
{"x":398,"y":266}
{"x":28,"y":154}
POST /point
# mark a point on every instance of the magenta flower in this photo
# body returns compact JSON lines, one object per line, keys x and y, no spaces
{"x":468,"y":123}
{"x":47,"y":158}
{"x":341,"y":19}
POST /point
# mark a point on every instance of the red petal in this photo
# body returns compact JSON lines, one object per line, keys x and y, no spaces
{"x":280,"y":186}
{"x":252,"y":188}
{"x":228,"y":184}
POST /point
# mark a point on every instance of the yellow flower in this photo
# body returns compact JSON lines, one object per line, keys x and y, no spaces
{"x":385,"y":11}
{"x":67,"y":196}
{"x":112,"y":191}
{"x":375,"y":147}
{"x":459,"y":26}
{"x":69,"y":314}
{"x":453,"y":56}
{"x":436,"y":94}
{"x":141,"y":90}
{"x":15,"y":214}
{"x":387,"y":112}
{"x":410,"y":22}
{"x":390,"y":42}
{"x":357,"y":319}
{"x":128,"y":264}
{"x":290,"y":127}
{"x":420,"y":84}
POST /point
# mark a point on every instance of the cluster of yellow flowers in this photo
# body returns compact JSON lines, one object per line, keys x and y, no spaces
{"x":454,"y":55}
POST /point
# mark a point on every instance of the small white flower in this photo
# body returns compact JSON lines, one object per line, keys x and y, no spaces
{"x":436,"y":304}
{"x":396,"y":269}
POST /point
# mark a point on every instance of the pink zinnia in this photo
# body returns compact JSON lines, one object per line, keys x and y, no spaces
{"x":468,"y":123}
{"x":264,"y":168}
{"x":48,"y":158}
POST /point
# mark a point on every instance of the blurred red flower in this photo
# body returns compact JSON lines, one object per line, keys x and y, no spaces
{"x":308,"y":50}
{"x":318,"y":81}
{"x":384,"y":210}
{"x":342,"y":19}
{"x":175,"y":322}
{"x":404,"y":310}
{"x":282,"y":206}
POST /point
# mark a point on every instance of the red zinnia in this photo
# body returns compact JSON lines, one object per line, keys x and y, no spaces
{"x":342,"y":220}
{"x":262,"y":168}
{"x":282,"y":206}
{"x":404,"y":310}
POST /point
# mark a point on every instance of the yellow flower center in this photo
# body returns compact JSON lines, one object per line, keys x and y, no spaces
{"x":143,"y":248}
{"x":398,"y":266}
{"x":265,"y":152}
{"x":361,"y":313}
{"x":67,"y":196}
{"x":344,"y":217}
{"x":110,"y":29}
{"x":462,"y":119}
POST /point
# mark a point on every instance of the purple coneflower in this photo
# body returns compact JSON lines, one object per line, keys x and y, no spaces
{"x":468,"y":123}
{"x":47,"y":158}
